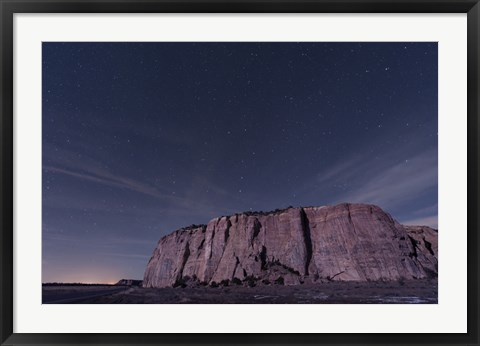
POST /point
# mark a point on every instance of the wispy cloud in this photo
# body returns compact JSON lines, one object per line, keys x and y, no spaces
{"x":344,"y":170}
{"x":141,"y":257}
{"x":200,"y":196}
{"x":396,"y":184}
{"x":106,"y":178}
{"x":393,"y":180}
{"x":429,"y":210}
{"x":104,"y":241}
{"x":66,"y":162}
{"x":431,"y":221}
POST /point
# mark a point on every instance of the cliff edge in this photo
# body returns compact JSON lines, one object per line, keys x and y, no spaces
{"x":346,"y":242}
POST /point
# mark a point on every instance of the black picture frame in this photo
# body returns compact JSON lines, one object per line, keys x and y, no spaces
{"x":9,"y":7}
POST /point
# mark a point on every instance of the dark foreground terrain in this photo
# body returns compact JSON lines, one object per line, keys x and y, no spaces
{"x":67,"y":294}
{"x":405,"y":292}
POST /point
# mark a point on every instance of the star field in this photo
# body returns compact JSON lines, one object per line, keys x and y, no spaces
{"x":140,"y":139}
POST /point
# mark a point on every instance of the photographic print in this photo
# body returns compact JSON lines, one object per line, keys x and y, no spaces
{"x":239,"y":173}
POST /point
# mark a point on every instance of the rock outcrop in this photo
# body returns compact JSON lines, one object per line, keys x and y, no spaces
{"x":129,"y":282}
{"x":348,"y":242}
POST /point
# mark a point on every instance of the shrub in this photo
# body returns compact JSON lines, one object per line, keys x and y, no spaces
{"x":213,"y":284}
{"x":236,"y":281}
{"x":250,"y":280}
{"x":280,"y":281}
{"x":181,"y":282}
{"x":225,"y":282}
{"x":290,"y":269}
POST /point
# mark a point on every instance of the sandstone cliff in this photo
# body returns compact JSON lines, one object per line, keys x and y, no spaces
{"x":348,"y":242}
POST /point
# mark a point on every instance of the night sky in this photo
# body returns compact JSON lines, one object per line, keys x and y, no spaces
{"x":140,"y":139}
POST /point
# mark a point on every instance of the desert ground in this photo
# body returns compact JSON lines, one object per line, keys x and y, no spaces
{"x":403,"y":292}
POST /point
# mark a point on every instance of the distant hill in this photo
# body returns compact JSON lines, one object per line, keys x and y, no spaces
{"x":129,"y":282}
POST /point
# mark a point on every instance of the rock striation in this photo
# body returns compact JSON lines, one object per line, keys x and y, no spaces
{"x":346,"y":242}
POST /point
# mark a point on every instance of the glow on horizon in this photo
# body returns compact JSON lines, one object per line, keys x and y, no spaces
{"x":85,"y":277}
{"x":81,"y":282}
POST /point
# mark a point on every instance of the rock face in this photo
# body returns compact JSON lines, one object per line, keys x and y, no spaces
{"x":347,"y":242}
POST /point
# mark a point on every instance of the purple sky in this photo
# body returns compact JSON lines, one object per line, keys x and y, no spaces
{"x":140,"y":139}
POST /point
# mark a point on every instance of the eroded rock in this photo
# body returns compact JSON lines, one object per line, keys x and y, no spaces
{"x":346,"y":242}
